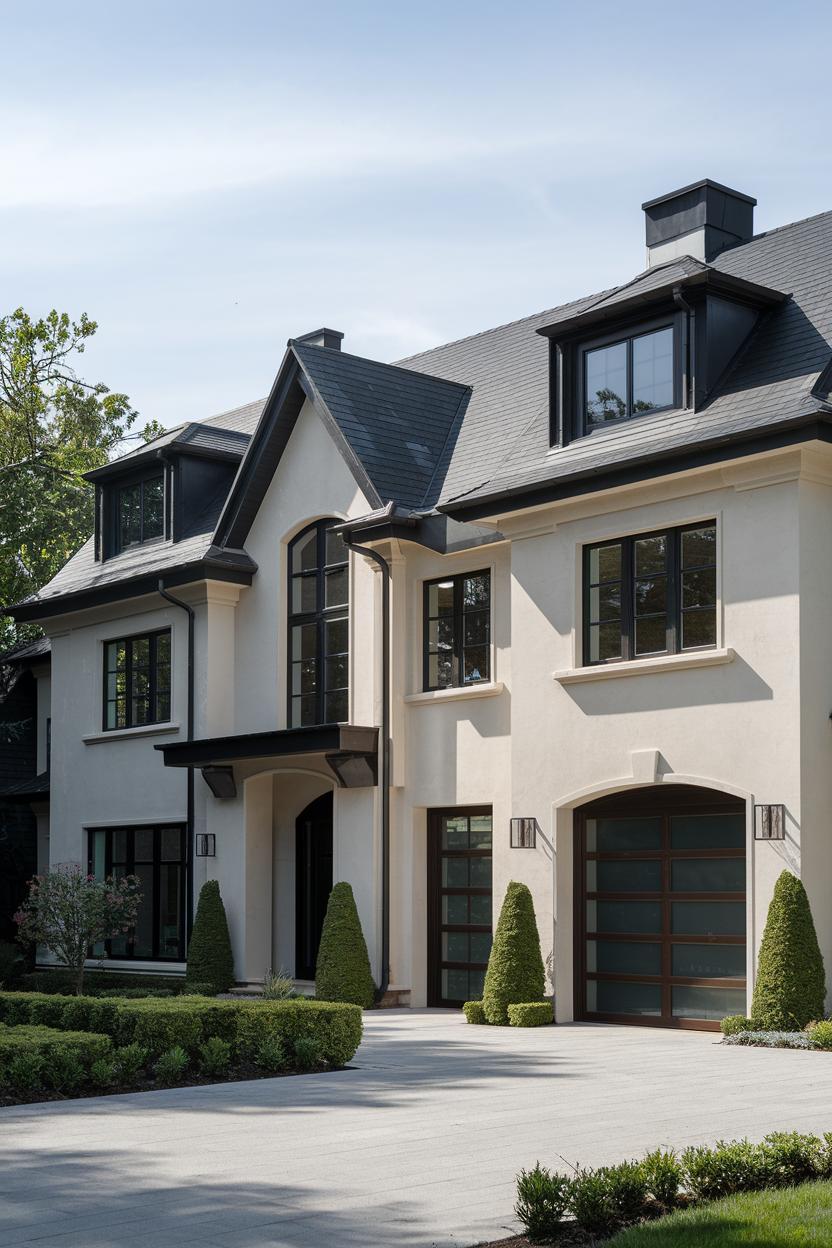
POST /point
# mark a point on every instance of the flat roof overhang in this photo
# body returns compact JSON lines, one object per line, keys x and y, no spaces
{"x":349,"y":750}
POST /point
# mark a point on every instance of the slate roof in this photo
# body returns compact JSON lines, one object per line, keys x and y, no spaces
{"x":772,"y":381}
{"x":398,"y":422}
{"x":28,"y":651}
{"x":468,"y":422}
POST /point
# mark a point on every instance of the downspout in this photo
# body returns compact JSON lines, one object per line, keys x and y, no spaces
{"x":384,"y":777}
{"x":177,"y":602}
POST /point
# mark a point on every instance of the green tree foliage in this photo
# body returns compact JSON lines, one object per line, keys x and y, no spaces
{"x":343,"y":969}
{"x":791,"y":985}
{"x":210,"y":960}
{"x":54,"y":427}
{"x":515,"y":967}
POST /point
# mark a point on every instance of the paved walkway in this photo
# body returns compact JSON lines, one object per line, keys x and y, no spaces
{"x":416,"y":1146}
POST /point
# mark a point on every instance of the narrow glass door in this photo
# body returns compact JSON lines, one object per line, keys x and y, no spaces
{"x":459,"y":905}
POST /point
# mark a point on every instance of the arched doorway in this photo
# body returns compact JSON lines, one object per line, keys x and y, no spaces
{"x":660,"y":908}
{"x":313,"y":881}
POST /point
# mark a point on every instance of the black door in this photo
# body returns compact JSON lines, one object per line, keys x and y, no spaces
{"x":459,"y":904}
{"x":313,"y":881}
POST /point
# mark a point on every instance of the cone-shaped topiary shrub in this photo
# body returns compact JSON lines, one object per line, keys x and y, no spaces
{"x":342,"y":972}
{"x":515,"y":967}
{"x":210,"y":960}
{"x":791,"y":985}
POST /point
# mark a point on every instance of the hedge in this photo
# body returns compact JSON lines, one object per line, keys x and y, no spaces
{"x":530,"y":1013}
{"x":99,"y":983}
{"x":791,"y":985}
{"x":34,"y":1056}
{"x":187,"y":1022}
{"x":474,"y":1012}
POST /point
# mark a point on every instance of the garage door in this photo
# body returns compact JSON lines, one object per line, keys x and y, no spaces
{"x":660,"y":930}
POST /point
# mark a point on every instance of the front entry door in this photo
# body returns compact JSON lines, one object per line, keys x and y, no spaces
{"x":459,"y":904}
{"x":660,"y":908}
{"x":313,"y":881}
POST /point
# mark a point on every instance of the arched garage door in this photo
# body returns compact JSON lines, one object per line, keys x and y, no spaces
{"x":660,"y":908}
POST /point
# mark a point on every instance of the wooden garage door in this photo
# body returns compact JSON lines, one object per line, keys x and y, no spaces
{"x":459,"y":903}
{"x":660,"y":909}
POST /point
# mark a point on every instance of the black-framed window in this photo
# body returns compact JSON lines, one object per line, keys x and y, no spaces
{"x":137,"y":680}
{"x":457,"y":630}
{"x":157,"y":855}
{"x":139,"y":507}
{"x":628,"y":375}
{"x":319,"y":626}
{"x":649,"y":594}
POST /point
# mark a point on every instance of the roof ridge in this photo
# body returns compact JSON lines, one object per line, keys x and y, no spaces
{"x":776,"y":229}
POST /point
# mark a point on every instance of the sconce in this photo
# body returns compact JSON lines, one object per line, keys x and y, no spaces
{"x":770,"y":823}
{"x":206,"y":845}
{"x":523,"y":832}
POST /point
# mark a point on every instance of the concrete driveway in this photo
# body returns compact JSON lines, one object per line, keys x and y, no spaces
{"x":417,"y":1145}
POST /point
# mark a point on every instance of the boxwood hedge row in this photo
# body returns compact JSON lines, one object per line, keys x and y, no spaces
{"x":162,"y":1024}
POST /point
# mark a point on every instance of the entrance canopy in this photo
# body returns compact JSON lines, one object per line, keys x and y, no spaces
{"x":350,"y":751}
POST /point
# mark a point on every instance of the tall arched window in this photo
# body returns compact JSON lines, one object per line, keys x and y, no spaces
{"x":319,"y":626}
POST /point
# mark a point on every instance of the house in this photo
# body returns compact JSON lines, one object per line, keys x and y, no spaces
{"x":24,"y":773}
{"x":550,"y":603}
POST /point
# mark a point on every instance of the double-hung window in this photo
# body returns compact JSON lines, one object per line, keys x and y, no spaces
{"x":319,"y":626}
{"x":650,"y":594}
{"x":628,"y":376}
{"x":457,"y":631}
{"x":137,"y":680}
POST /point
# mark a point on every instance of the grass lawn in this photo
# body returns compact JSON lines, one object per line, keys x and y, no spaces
{"x":789,"y":1218}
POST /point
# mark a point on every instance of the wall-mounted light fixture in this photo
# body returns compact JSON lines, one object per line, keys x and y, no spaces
{"x":205,"y":845}
{"x":770,"y":823}
{"x":523,"y":832}
{"x":220,"y":781}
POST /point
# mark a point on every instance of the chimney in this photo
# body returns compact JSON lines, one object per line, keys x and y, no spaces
{"x":700,"y":220}
{"x":323,"y":338}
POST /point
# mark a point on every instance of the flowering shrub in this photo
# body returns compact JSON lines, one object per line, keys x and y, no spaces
{"x":68,"y":911}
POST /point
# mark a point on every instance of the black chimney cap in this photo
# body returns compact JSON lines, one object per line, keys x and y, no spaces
{"x":331,"y":338}
{"x":726,"y":216}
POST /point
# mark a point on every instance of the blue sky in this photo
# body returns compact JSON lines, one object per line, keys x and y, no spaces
{"x":207,"y":180}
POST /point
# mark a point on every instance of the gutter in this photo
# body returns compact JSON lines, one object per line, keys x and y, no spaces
{"x":384,"y":776}
{"x":189,"y":818}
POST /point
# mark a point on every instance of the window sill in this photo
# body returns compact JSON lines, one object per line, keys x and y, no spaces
{"x":118,"y":734}
{"x":641,"y":667}
{"x":489,"y":689}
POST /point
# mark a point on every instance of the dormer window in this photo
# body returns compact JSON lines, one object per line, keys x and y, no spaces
{"x":140,"y":511}
{"x":628,"y":376}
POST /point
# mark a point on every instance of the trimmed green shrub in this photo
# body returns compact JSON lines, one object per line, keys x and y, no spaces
{"x":343,"y":972}
{"x":530,"y":1013}
{"x":727,"y":1168}
{"x":171,"y":1066}
{"x":215,"y":1056}
{"x":791,"y":984}
{"x":104,"y":1073}
{"x":515,"y":967}
{"x":99,"y":983}
{"x":158,"y":1025}
{"x":308,"y":1053}
{"x":210,"y":959}
{"x":271,"y":1054}
{"x":542,"y":1201}
{"x":820,"y":1034}
{"x":610,"y":1197}
{"x":337,"y":1026}
{"x":474,"y":1013}
{"x":33,"y":1057}
{"x":131,"y":1059}
{"x":663,"y":1175}
{"x":789,"y":1158}
{"x":734,"y":1024}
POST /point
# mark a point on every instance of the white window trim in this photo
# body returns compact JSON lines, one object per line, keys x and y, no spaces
{"x":119,"y":734}
{"x":643,"y":667}
{"x":455,"y":693}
